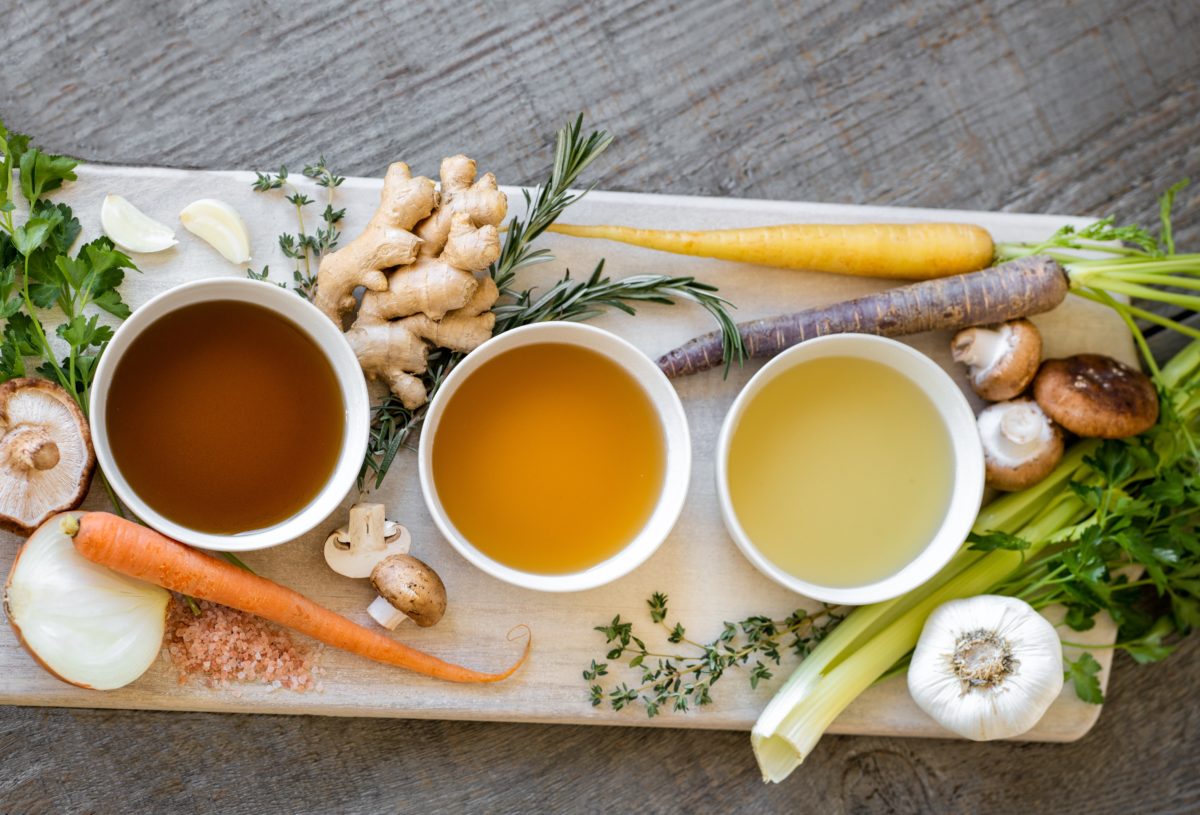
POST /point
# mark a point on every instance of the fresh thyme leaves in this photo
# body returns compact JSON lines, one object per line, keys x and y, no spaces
{"x":393,"y":425}
{"x":680,"y":677}
{"x":305,"y":248}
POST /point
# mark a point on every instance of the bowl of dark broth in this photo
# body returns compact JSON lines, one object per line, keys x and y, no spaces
{"x":230,"y":414}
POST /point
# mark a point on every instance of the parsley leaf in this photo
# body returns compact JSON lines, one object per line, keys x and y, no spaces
{"x":1083,"y":674}
{"x":43,"y":172}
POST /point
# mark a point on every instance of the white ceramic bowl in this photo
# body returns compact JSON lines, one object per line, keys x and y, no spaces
{"x":313,"y":323}
{"x":675,"y":434}
{"x":959,"y":420}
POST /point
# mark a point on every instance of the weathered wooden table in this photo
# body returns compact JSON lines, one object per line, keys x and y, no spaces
{"x":1089,"y":109}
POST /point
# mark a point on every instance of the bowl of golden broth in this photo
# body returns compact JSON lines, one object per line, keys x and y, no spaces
{"x":849,"y":469}
{"x":230,"y":414}
{"x":555,"y":457}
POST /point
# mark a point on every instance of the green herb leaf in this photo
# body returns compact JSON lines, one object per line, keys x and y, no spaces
{"x":1083,"y":674}
{"x":991,"y":541}
{"x":43,"y":172}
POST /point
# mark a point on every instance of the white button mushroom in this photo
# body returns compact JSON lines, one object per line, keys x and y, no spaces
{"x":408,"y":589}
{"x":1021,"y":446}
{"x":356,"y":549}
{"x":46,"y":457}
{"x":986,"y":667}
{"x":1002,"y":359}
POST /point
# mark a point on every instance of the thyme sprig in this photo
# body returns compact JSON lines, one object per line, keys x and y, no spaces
{"x":672,"y":679}
{"x":304,"y":248}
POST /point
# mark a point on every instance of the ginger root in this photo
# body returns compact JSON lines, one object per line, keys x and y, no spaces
{"x":419,"y":261}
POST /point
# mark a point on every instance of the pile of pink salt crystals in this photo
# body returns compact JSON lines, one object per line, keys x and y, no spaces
{"x":224,"y":648}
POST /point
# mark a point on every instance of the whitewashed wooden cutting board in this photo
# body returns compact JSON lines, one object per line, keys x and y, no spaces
{"x":707,"y":580}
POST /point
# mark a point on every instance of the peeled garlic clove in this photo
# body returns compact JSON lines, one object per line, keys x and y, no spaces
{"x":220,"y":226}
{"x":131,"y":229}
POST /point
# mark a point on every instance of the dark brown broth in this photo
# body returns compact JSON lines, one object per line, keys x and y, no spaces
{"x":224,"y":417}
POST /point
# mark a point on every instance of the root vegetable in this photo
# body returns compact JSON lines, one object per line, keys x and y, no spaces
{"x":138,"y":552}
{"x":435,"y":245}
{"x":1015,"y":289}
{"x":897,"y":251}
{"x":85,"y":624}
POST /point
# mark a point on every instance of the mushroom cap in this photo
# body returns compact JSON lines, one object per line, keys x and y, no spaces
{"x":46,"y":455}
{"x":1002,"y":359}
{"x":354,"y":550}
{"x":1021,"y":446}
{"x":412,"y":587}
{"x":1096,"y":396}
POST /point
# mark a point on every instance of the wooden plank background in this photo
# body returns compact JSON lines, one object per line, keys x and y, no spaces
{"x":1087,"y":107}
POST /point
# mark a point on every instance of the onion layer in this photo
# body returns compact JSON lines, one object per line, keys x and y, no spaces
{"x":84,"y":623}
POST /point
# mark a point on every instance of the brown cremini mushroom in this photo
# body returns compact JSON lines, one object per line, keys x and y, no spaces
{"x":408,"y":589}
{"x":1021,"y":446}
{"x":1001,"y":359}
{"x":1096,"y":396}
{"x":46,"y":456}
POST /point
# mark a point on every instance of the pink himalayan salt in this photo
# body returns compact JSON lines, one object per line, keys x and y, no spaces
{"x":223,"y":646}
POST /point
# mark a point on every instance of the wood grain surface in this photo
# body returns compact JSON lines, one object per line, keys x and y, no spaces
{"x":1086,"y":107}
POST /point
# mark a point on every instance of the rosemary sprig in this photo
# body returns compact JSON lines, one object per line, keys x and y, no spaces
{"x":678,"y":680}
{"x":567,"y":299}
{"x":304,"y":248}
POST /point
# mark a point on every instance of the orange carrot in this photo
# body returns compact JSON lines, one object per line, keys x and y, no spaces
{"x":134,"y":550}
{"x":897,"y":251}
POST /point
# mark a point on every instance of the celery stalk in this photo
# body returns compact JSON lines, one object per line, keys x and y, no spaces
{"x":801,"y":712}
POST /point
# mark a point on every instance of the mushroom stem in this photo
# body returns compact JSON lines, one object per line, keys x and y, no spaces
{"x":1022,"y":425}
{"x":384,"y":613}
{"x":33,"y":449}
{"x":367,"y":526}
{"x":980,"y":347}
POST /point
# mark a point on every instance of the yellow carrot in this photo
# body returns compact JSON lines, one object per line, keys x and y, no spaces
{"x":897,"y":251}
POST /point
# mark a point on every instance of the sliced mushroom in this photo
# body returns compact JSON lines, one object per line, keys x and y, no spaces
{"x":408,"y":589}
{"x":1096,"y":396}
{"x":46,"y":456}
{"x":356,"y":549}
{"x":1001,"y":359}
{"x":1021,"y":446}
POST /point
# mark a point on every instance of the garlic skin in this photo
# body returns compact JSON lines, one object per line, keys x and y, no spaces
{"x":986,"y":667}
{"x":219,"y":225}
{"x":131,"y":229}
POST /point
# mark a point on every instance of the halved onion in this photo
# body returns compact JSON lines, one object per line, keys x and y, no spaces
{"x":82,"y":622}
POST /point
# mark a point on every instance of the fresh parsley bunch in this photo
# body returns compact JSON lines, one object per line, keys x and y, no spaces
{"x":39,"y":273}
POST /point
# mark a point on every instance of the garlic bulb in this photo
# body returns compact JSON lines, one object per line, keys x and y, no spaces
{"x":83,"y":623}
{"x":986,"y":667}
{"x":220,"y":226}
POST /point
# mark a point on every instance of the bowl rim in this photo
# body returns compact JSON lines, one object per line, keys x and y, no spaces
{"x":959,"y":419}
{"x":676,"y":436}
{"x":315,"y":325}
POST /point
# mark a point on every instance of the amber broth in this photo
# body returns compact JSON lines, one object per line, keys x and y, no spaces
{"x":549,"y":458}
{"x":840,"y":471}
{"x":224,"y":417}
